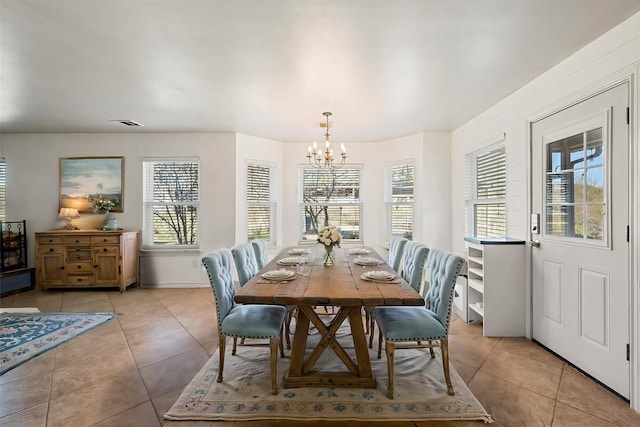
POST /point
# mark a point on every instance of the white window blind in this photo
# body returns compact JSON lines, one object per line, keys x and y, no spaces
{"x":261,"y":206}
{"x":171,"y":198}
{"x":486,"y":192}
{"x":330,"y":196}
{"x":399,"y":198}
{"x":3,"y":189}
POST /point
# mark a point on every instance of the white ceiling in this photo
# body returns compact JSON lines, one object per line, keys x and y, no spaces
{"x":269,"y":68}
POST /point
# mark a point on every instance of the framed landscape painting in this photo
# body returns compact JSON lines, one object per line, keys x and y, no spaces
{"x":86,"y":180}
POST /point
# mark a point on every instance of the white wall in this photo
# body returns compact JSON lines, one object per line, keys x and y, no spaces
{"x":33,"y":189}
{"x":436,"y":191}
{"x":615,"y":54}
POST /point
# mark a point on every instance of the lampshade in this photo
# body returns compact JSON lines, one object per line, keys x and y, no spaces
{"x":69,"y":213}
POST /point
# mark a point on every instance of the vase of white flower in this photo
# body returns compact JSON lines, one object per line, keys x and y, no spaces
{"x":329,"y":237}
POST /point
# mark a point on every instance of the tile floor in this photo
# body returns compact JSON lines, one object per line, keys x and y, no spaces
{"x":129,"y":371}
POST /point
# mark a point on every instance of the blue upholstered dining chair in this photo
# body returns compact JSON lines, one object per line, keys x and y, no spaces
{"x":430,"y":324}
{"x":245,"y":260}
{"x":260,"y":249}
{"x":396,"y":249}
{"x":414,"y":257}
{"x":247,"y":266}
{"x":242,"y":320}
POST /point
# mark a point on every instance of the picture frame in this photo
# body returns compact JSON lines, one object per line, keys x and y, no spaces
{"x":83,"y":180}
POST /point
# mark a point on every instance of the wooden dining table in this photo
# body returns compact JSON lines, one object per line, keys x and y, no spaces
{"x":339,"y":286}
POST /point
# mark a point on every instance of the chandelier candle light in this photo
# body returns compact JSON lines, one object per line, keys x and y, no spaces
{"x":321,"y":160}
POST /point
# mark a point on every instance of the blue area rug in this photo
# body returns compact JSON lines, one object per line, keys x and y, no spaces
{"x":26,"y":335}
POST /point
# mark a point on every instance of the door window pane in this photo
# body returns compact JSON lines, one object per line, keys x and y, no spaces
{"x":595,"y":222}
{"x":595,"y":185}
{"x":575,"y":191}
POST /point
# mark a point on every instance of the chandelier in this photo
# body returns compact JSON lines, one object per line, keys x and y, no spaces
{"x":324,"y":159}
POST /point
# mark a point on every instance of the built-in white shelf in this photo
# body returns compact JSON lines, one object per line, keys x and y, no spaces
{"x":495,"y":285}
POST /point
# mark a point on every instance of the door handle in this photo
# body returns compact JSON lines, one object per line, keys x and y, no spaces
{"x":534,"y":243}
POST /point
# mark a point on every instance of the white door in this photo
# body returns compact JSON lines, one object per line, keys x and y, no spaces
{"x":580,"y":252}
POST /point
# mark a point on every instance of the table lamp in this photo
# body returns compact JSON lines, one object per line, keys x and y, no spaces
{"x":69,"y":213}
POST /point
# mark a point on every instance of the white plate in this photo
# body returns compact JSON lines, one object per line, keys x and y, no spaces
{"x":367,"y":260}
{"x":299,"y":251}
{"x":290,"y":260}
{"x":359,"y":251}
{"x":278,"y":274}
{"x":378,"y":276}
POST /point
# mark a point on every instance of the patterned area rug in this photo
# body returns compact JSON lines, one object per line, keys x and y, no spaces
{"x":26,"y":335}
{"x":245,"y":393}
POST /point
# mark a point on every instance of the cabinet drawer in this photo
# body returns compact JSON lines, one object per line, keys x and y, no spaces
{"x":79,"y":267}
{"x":77,"y":240}
{"x":49,"y":240}
{"x":46,"y":249}
{"x":80,"y":280}
{"x":80,"y":253}
{"x":105,"y":239}
{"x":106,"y":249}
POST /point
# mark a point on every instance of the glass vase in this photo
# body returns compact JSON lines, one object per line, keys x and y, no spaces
{"x":329,"y":260}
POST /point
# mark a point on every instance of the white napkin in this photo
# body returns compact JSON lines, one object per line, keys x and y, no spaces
{"x":290,"y":260}
{"x":367,"y":260}
{"x":378,"y":276}
{"x":298,"y":251}
{"x":359,"y":251}
{"x":277,"y":274}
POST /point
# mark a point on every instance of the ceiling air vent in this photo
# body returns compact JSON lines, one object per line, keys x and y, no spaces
{"x":127,"y":122}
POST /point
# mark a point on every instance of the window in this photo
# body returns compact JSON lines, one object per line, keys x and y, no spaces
{"x":486,"y":191}
{"x":3,"y":189}
{"x":330,"y":196}
{"x":576,"y":193}
{"x":171,"y":197}
{"x":261,"y":206}
{"x":398,"y":197}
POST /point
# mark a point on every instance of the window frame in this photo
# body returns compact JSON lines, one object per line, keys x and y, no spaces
{"x":474,"y":200}
{"x":148,"y":204}
{"x":600,"y":120}
{"x":388,"y":198}
{"x":301,"y":204}
{"x":271,"y":202}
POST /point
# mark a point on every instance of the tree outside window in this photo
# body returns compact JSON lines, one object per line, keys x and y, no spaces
{"x":171,"y":201}
{"x":331,"y":197}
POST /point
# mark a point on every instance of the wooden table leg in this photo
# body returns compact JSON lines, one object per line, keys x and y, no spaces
{"x":299,"y":344}
{"x":359,"y":374}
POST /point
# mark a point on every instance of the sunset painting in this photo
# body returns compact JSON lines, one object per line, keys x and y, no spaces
{"x":84,"y":179}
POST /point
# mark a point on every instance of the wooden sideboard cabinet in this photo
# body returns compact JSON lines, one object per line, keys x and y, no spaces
{"x":86,"y":258}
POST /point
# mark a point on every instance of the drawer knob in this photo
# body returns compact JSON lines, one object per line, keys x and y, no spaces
{"x":105,"y":249}
{"x":50,"y":249}
{"x":79,"y":266}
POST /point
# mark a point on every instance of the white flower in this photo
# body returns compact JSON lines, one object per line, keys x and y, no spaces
{"x":329,"y":236}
